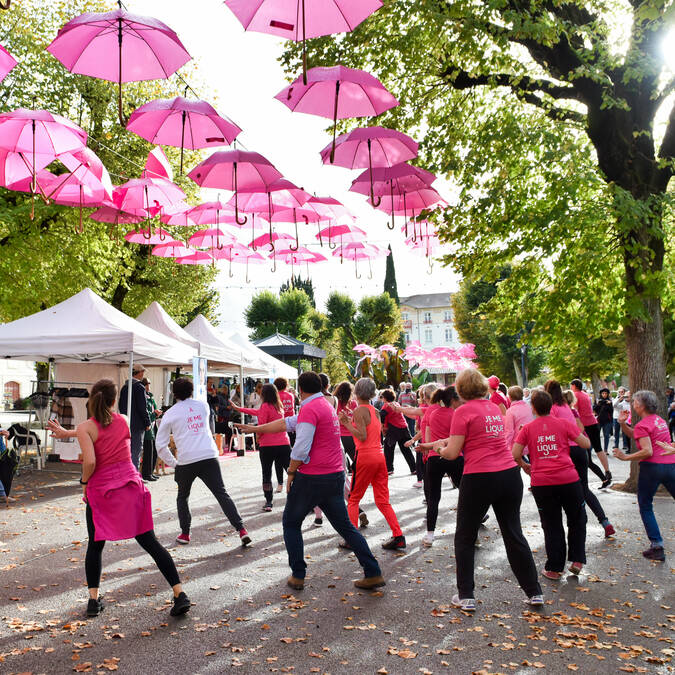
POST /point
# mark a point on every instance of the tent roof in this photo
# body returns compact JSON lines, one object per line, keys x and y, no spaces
{"x":214,"y":346}
{"x":285,"y":345}
{"x":272,"y":367}
{"x":86,"y":328}
{"x":157,"y":318}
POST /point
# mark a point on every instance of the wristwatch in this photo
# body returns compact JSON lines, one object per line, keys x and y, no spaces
{"x":83,"y":482}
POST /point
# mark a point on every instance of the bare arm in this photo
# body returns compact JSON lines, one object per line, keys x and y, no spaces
{"x":275,"y":427}
{"x":583,"y":441}
{"x":361,"y":420}
{"x":517,"y":452}
{"x":623,"y":421}
{"x":453,"y":448}
{"x":645,"y":451}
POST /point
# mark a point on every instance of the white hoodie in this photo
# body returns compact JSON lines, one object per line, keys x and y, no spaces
{"x":188,"y":422}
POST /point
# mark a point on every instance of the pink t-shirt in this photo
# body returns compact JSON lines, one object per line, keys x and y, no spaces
{"x":349,"y":409}
{"x":394,"y":419}
{"x":288,"y":401}
{"x":656,"y":429}
{"x":499,"y":399}
{"x":113,"y":443}
{"x":426,"y":418}
{"x":268,"y":413}
{"x":548,"y":439}
{"x":518,"y":415}
{"x":325,"y":455}
{"x":439,"y":424}
{"x":482,"y":425}
{"x":585,"y":408}
{"x":564,"y":412}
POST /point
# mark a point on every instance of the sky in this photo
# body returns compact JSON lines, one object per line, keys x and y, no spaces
{"x":242,"y":76}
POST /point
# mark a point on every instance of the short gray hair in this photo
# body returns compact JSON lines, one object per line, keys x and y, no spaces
{"x":647,"y":399}
{"x":365,"y":389}
{"x":430,"y":389}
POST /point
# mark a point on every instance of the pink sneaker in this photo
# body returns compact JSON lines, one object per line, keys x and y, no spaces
{"x":609,"y":530}
{"x":183,"y":538}
{"x":243,"y":535}
{"x":549,"y":574}
{"x":576,"y":567}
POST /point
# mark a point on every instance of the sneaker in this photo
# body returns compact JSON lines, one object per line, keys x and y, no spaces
{"x":607,"y":481}
{"x":295,"y":583}
{"x":363,"y":520}
{"x":243,"y":535}
{"x":280,"y":487}
{"x":318,"y":522}
{"x":609,"y":530}
{"x":418,"y":484}
{"x":183,"y":539}
{"x":390,"y":473}
{"x":655,"y":553}
{"x":549,"y":574}
{"x":576,"y":567}
{"x":394,"y":544}
{"x":181,"y":604}
{"x":95,"y":606}
{"x":368,"y":583}
{"x":466,"y":604}
{"x":267,"y":507}
{"x":428,"y":539}
{"x":535,"y":601}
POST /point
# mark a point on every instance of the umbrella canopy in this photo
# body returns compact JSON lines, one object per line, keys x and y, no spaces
{"x":119,"y":47}
{"x":7,"y":62}
{"x":148,"y":237}
{"x":16,"y":166}
{"x":212,"y":213}
{"x":177,"y":214}
{"x":337,"y":92}
{"x":109,"y":213}
{"x":196,"y":258}
{"x":291,"y":20}
{"x":39,"y":132}
{"x":147,"y":193}
{"x":392,"y":180}
{"x":182,"y":123}
{"x":211,"y":238}
{"x":341,"y":234}
{"x":172,"y":249}
{"x":157,"y":165}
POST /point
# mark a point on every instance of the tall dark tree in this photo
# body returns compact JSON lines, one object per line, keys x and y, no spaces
{"x":303,"y":284}
{"x":390,"y":278}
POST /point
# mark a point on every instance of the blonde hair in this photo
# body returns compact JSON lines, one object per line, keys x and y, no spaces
{"x":471,"y":384}
{"x":569,"y":396}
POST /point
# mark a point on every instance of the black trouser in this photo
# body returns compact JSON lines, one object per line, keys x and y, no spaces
{"x":420,"y":469}
{"x":280,"y":457}
{"x":503,"y":490}
{"x":671,"y":428}
{"x":580,"y":459}
{"x":593,"y":433}
{"x":551,"y":501}
{"x":149,"y":457}
{"x":436,"y":468}
{"x":393,"y":436}
{"x":208,"y":470}
{"x":148,"y":540}
{"x":350,"y":450}
{"x":7,"y":468}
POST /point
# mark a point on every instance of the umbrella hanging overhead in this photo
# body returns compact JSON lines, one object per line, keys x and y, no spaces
{"x":337,"y":93}
{"x":371,"y":147}
{"x":239,"y":253}
{"x":211,"y":238}
{"x":149,"y":194}
{"x":196,"y":258}
{"x":410,"y":204}
{"x":148,"y":237}
{"x":341,"y":234}
{"x":182,"y":123}
{"x":119,"y":47}
{"x":177,"y":214}
{"x":299,"y":20}
{"x":172,"y":249}
{"x":235,"y":170}
{"x":7,"y":62}
{"x":212,"y":213}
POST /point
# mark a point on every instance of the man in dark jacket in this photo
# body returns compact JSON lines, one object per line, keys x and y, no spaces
{"x":604,"y":411}
{"x":140,"y":420}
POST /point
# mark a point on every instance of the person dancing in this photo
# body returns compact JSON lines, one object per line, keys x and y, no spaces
{"x":275,"y":449}
{"x":346,"y":403}
{"x":118,"y":503}
{"x":366,"y":428}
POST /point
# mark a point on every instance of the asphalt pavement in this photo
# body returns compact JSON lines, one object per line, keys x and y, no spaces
{"x":617,"y":616}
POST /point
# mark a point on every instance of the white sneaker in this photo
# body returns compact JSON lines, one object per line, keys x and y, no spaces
{"x":279,"y":487}
{"x":428,"y":539}
{"x":535,"y":601}
{"x":467,"y":604}
{"x":418,"y":484}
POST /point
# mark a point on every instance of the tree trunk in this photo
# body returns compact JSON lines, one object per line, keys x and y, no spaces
{"x":519,"y":375}
{"x":595,"y":383}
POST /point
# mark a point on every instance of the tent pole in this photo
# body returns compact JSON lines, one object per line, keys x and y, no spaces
{"x":129,"y":385}
{"x":242,"y":403}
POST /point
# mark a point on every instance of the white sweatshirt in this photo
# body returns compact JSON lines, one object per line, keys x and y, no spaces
{"x":188,"y":422}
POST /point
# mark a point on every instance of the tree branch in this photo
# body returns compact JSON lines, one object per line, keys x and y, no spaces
{"x":667,"y":149}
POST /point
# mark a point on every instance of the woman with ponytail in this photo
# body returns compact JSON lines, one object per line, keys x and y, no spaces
{"x":118,"y":503}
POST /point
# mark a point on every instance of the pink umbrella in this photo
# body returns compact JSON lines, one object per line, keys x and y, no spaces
{"x":371,"y":147}
{"x":157,"y":165}
{"x":301,"y":255}
{"x":360,"y":251}
{"x":212,"y":213}
{"x":211,"y":238}
{"x":177,"y":214}
{"x":239,"y":253}
{"x":341,"y":234}
{"x":183,"y":124}
{"x":393,"y":180}
{"x":410,"y":204}
{"x":119,"y":47}
{"x":267,"y":240}
{"x":337,"y":93}
{"x":196,"y":258}
{"x":109,"y":213}
{"x":7,"y":62}
{"x":289,"y":20}
{"x":172,"y":249}
{"x":292,"y":216}
{"x":150,"y":194}
{"x":16,"y":167}
{"x":235,"y":170}
{"x":148,"y":237}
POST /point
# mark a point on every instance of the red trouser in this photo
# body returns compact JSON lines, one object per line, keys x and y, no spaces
{"x":372,"y":471}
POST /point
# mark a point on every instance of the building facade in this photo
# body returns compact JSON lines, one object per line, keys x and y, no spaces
{"x":16,"y":381}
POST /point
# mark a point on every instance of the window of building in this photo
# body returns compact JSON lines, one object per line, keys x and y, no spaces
{"x":407,"y":337}
{"x":447,"y":315}
{"x":12,"y":392}
{"x":405,"y":316}
{"x":427,"y":317}
{"x":448,"y":335}
{"x":428,"y":335}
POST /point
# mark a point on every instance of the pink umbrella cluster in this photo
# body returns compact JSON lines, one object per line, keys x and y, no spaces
{"x":439,"y":359}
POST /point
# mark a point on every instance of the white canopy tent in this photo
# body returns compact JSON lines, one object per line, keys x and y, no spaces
{"x":213,"y":346}
{"x":272,"y":367}
{"x":157,"y":318}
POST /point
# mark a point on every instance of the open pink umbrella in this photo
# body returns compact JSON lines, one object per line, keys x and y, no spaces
{"x":371,"y":147}
{"x":211,"y":238}
{"x":172,"y":249}
{"x":119,"y":47}
{"x":150,"y":194}
{"x":337,"y":93}
{"x":238,"y":253}
{"x":148,"y":237}
{"x":235,"y":170}
{"x":212,"y":213}
{"x":295,"y":257}
{"x":7,"y":62}
{"x":177,"y":214}
{"x":196,"y":258}
{"x":267,"y":240}
{"x":410,"y":204}
{"x":182,"y":123}
{"x":290,"y":19}
{"x":360,"y":251}
{"x":341,"y":234}
{"x":392,"y":180}
{"x":295,"y":215}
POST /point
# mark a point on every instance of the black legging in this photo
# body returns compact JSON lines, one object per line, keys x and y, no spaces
{"x":350,"y":450}
{"x":148,"y":540}
{"x":280,"y":457}
{"x":580,"y":459}
{"x":436,"y":468}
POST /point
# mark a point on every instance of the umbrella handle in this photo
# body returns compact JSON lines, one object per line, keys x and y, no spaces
{"x":376,"y":201}
{"x":370,"y":268}
{"x":271,"y":240}
{"x":247,"y":279}
{"x":149,"y":234}
{"x":119,"y":79}
{"x":332,"y":246}
{"x":182,"y":139}
{"x":431,"y":266}
{"x":318,"y":224}
{"x":304,"y":48}
{"x":113,"y":233}
{"x":162,"y":235}
{"x":253,"y":246}
{"x":297,"y":240}
{"x":81,"y":228}
{"x":335,"y":114}
{"x":356,"y":268}
{"x":236,"y":201}
{"x":392,"y":225}
{"x":229,"y":271}
{"x":4,"y":4}
{"x":391,"y":187}
{"x":274,"y":266}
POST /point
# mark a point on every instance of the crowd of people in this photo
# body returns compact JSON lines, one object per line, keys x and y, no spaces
{"x":334,"y":443}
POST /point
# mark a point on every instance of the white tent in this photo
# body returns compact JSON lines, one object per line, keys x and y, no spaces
{"x":213,"y":345}
{"x":156,"y":317}
{"x":272,"y":367}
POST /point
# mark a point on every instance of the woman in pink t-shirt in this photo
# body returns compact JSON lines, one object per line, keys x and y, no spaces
{"x":344,"y":393}
{"x":491,"y":478}
{"x":555,"y":484}
{"x":657,"y":464}
{"x":275,"y":448}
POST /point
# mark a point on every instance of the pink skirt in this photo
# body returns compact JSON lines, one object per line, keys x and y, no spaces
{"x":121,"y":505}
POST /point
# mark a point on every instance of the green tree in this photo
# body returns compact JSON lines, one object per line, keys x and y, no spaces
{"x":305,"y":284}
{"x":290,"y":313}
{"x":390,"y":278}
{"x":556,"y":122}
{"x":45,"y":257}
